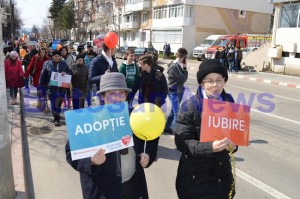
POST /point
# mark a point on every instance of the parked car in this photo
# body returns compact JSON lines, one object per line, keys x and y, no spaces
{"x":121,"y":52}
{"x":142,"y":51}
{"x":250,"y":49}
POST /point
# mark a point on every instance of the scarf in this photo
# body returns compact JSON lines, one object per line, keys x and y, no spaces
{"x":109,"y":59}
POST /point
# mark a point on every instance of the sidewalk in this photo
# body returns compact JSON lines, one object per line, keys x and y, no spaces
{"x":262,"y":77}
{"x":49,"y":175}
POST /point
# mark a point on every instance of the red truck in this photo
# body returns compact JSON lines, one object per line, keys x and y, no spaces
{"x":235,"y":40}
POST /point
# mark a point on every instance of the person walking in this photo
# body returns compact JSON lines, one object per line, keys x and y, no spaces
{"x":87,"y":61}
{"x":79,"y":83}
{"x":167,"y":50}
{"x":204,"y":169}
{"x":56,"y":93}
{"x":65,"y":55}
{"x":152,"y":83}
{"x":25,"y":62}
{"x":230,"y":59}
{"x":13,"y":76}
{"x":177,"y":76}
{"x":35,"y":67}
{"x":119,"y":174}
{"x":105,"y":62}
{"x":130,"y":69}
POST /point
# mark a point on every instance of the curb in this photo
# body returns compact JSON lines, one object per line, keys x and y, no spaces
{"x":268,"y":81}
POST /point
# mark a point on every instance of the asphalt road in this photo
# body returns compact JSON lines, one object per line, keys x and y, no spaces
{"x":270,"y":166}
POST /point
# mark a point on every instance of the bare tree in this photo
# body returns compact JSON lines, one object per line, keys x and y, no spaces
{"x":96,"y":15}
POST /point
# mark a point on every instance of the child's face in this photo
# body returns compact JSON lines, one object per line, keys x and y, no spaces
{"x":130,"y":57}
{"x":111,"y":97}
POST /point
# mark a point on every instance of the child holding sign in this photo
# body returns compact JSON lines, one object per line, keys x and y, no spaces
{"x":204,"y":169}
{"x":118,"y":174}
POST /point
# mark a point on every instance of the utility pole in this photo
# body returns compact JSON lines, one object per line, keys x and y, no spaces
{"x":7,"y":188}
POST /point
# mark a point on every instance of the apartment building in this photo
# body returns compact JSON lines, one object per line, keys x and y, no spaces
{"x":285,"y":49}
{"x":186,"y":22}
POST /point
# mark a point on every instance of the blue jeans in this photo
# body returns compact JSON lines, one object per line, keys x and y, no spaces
{"x":89,"y":98}
{"x":56,"y":101}
{"x":231,"y":66}
{"x":175,"y":98}
{"x":26,"y":82}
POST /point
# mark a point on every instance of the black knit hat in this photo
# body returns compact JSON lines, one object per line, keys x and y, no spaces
{"x":211,"y":66}
{"x":56,"y":52}
{"x":79,"y":57}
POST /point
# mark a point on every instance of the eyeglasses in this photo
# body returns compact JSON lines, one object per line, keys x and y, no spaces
{"x":211,"y":82}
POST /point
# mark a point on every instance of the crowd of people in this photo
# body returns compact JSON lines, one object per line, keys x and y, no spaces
{"x":230,"y":57}
{"x":204,"y":169}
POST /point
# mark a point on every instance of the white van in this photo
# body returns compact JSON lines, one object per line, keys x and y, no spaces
{"x":199,"y":51}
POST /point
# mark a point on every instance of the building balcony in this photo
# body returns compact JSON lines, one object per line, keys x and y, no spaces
{"x":129,"y":25}
{"x":175,"y":21}
{"x":138,"y":5}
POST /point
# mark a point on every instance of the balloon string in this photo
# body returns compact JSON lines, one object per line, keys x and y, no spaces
{"x":233,"y":165}
{"x":145,"y":146}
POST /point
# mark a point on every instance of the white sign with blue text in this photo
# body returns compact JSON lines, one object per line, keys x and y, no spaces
{"x":92,"y":128}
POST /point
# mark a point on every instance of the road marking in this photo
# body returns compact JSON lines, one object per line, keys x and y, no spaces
{"x":278,"y":117}
{"x":261,"y":185}
{"x":269,"y":114}
{"x":264,"y":92}
{"x":258,"y":91}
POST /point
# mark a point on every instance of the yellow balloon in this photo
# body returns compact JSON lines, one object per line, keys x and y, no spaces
{"x":147,"y":121}
{"x":22,"y":53}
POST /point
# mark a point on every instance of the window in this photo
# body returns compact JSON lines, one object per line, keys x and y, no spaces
{"x":289,"y":17}
{"x":297,"y":55}
{"x":176,"y":11}
{"x":144,"y":17}
{"x":143,"y":36}
{"x":242,"y":43}
{"x":285,"y":54}
{"x":160,"y":13}
{"x":242,"y":14}
{"x":188,"y":11}
{"x":135,"y":18}
{"x":167,"y":36}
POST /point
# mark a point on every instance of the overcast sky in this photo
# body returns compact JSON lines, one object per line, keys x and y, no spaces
{"x":33,"y":11}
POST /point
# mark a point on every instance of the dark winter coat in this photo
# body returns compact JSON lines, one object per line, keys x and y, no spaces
{"x":98,"y":67}
{"x":13,"y":74}
{"x":48,"y":68}
{"x":80,"y":79}
{"x":26,"y":60}
{"x":37,"y":62}
{"x":176,"y":77}
{"x":152,"y":87}
{"x":201,"y":173}
{"x":104,"y":181}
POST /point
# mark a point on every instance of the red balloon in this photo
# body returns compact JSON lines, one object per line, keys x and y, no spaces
{"x":111,"y":39}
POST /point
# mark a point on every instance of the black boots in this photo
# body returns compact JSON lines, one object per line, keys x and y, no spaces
{"x":169,"y":131}
{"x":56,"y":119}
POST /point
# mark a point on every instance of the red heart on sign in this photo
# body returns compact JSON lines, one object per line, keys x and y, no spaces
{"x":126,"y":139}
